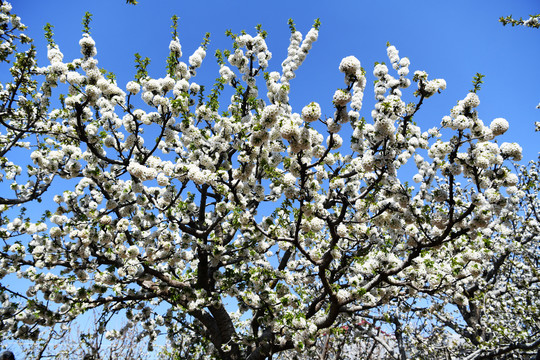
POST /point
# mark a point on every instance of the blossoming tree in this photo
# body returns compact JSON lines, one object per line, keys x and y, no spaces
{"x":246,"y":229}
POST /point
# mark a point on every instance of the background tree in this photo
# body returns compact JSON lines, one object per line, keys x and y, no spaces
{"x":534,"y":22}
{"x":75,"y":341}
{"x":249,"y":230}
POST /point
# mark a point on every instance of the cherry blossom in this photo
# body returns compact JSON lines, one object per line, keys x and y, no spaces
{"x":244,"y":228}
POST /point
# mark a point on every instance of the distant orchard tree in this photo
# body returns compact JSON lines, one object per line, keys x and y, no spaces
{"x":73,"y":341}
{"x":245,"y":228}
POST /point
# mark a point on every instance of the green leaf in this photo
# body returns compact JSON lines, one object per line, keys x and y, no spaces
{"x":86,"y":23}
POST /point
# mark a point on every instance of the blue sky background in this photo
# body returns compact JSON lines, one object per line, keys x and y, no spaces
{"x":448,"y":39}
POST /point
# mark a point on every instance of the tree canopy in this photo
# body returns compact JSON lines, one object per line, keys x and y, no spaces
{"x":244,"y":228}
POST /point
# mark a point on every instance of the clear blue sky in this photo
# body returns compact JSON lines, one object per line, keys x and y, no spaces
{"x":448,"y":39}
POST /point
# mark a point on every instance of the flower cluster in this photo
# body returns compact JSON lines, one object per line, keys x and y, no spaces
{"x":311,"y":112}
